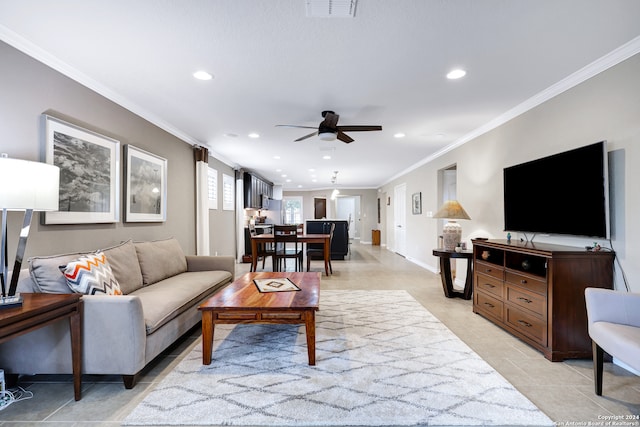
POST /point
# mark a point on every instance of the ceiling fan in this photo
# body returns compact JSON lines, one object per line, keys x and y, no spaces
{"x":328,"y":130}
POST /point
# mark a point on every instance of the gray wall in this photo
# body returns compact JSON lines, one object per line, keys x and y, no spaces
{"x":605,"y":107}
{"x":30,"y":89}
{"x":222,"y":234}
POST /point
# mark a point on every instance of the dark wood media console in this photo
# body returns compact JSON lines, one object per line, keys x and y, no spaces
{"x":536,"y":292}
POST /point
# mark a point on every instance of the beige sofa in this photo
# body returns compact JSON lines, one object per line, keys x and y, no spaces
{"x":161,"y":290}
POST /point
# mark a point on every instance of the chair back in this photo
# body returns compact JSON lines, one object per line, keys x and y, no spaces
{"x":283,"y":234}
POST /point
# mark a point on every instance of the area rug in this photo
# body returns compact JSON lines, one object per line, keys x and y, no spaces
{"x":382,"y":360}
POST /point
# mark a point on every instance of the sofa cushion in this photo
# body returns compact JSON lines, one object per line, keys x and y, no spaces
{"x":168,"y":298}
{"x":91,"y":274}
{"x":46,"y":275}
{"x":160,"y":260}
{"x":124,"y":263}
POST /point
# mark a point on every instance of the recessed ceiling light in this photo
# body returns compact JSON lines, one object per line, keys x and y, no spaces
{"x":278,"y":170}
{"x":231,"y":135}
{"x":326,"y":157}
{"x":312,"y":170}
{"x":288,"y":180}
{"x":202,"y":75}
{"x":456,"y":74}
{"x":399,"y":135}
{"x":276,"y":157}
{"x":284,"y":175}
{"x":254,"y":135}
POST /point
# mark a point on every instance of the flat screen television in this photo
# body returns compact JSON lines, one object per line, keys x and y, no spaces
{"x":565,"y":193}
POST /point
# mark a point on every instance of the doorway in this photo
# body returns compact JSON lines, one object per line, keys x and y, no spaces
{"x":319,"y":208}
{"x":400,"y":219}
{"x":348,"y":208}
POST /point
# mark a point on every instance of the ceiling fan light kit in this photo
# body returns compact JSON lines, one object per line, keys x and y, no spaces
{"x":327,"y":136}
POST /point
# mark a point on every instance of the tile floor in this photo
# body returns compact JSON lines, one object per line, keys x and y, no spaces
{"x":563,"y":390}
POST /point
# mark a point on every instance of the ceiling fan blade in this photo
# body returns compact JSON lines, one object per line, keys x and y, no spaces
{"x":306,"y":136}
{"x":297,"y":126}
{"x":358,"y":128}
{"x":330,"y":120}
{"x":344,"y":137}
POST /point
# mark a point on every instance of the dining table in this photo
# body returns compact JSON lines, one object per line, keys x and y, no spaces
{"x":325,"y":239}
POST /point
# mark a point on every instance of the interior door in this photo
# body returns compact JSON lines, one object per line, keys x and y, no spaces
{"x":347,"y":208}
{"x":400,"y":219}
{"x":319,"y":208}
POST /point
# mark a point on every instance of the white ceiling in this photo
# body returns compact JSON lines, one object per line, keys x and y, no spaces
{"x":274,"y":65}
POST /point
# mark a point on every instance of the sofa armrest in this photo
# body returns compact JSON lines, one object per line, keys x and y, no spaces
{"x":114,"y":334}
{"x":605,"y":305}
{"x":211,"y":263}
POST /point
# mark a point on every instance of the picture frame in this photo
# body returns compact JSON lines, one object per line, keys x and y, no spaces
{"x":145,"y":186}
{"x":89,"y":173}
{"x":416,"y":203}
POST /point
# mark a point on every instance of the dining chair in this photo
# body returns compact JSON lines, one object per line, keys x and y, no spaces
{"x":264,"y":249}
{"x":316,"y":250}
{"x":284,"y":237}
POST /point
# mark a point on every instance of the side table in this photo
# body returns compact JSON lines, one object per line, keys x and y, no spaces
{"x":39,"y":310}
{"x":445,"y":272}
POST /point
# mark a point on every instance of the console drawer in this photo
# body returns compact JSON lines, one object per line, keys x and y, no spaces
{"x":488,"y":305}
{"x":527,"y":300}
{"x":533,"y":284}
{"x":528,"y":324}
{"x":490,"y":269}
{"x":489,"y":285}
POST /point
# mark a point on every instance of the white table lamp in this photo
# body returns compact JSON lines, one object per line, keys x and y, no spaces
{"x":24,"y":186}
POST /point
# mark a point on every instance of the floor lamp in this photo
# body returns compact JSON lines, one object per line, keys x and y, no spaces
{"x":452,"y":231}
{"x":24,"y":186}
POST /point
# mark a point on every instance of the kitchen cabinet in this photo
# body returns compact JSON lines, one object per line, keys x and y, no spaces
{"x":255,"y":188}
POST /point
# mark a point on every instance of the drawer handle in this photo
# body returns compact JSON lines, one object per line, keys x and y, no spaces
{"x":489,"y":304}
{"x":523,"y":281}
{"x":489,"y":285}
{"x":488,"y":270}
{"x":527,"y":324}
{"x":528,"y":301}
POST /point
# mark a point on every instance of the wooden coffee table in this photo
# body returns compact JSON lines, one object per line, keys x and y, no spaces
{"x":242,"y":302}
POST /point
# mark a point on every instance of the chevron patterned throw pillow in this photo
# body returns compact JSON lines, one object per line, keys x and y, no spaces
{"x":91,"y":274}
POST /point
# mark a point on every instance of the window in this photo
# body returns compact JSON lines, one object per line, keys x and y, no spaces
{"x":212,"y":179}
{"x":227,"y":192}
{"x":292,"y":210}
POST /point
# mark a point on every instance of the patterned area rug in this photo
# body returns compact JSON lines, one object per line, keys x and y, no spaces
{"x":382,"y":360}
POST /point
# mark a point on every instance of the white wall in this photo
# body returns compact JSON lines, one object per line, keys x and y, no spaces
{"x":605,"y":107}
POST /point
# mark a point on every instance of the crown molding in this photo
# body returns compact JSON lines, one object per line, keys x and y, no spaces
{"x":607,"y":61}
{"x":30,"y":49}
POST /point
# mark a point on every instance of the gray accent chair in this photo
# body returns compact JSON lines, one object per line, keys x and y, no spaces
{"x":614,"y":328}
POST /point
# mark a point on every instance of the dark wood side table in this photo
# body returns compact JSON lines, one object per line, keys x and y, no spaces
{"x":445,"y":273}
{"x":39,"y":310}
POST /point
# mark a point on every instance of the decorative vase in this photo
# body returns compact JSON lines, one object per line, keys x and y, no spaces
{"x":485,"y":255}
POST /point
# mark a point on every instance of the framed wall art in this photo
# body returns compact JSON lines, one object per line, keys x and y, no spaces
{"x":416,"y":199}
{"x":145,"y":186}
{"x":89,"y":173}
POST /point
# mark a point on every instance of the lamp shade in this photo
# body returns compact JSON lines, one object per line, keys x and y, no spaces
{"x":28,"y":185}
{"x":452,"y":209}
